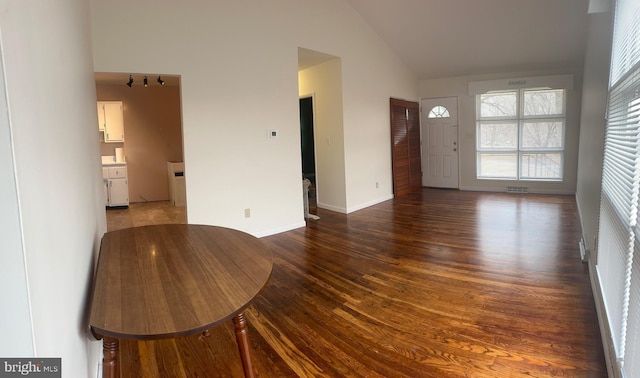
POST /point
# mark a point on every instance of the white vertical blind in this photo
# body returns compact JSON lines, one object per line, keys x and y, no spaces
{"x":618,"y":262}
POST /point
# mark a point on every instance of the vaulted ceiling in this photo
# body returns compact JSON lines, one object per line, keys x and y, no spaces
{"x":446,"y":38}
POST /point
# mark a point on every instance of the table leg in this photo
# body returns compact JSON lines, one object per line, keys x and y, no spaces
{"x":242,"y":338}
{"x":110,"y":367}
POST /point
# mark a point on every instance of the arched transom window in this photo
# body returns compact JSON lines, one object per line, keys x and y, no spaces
{"x":439,"y":111}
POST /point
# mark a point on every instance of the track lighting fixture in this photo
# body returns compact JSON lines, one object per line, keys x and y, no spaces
{"x":145,"y":81}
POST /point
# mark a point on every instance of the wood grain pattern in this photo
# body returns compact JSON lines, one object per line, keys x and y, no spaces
{"x":437,"y":283}
{"x":171,"y":280}
{"x":405,"y":146}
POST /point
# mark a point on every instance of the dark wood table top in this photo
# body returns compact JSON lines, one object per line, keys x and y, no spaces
{"x":176,"y":279}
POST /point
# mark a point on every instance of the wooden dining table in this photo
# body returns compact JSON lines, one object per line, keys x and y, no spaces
{"x":173,"y":280}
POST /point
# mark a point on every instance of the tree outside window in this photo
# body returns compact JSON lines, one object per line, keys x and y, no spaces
{"x":520,"y":134}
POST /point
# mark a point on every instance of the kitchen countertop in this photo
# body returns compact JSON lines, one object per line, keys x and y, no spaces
{"x":114,"y":163}
{"x":111,"y":161}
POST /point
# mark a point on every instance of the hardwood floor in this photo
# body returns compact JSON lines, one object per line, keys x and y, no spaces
{"x":438,"y":283}
{"x":145,"y":213}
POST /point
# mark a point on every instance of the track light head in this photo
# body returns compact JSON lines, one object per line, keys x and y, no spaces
{"x":130,"y":83}
{"x":146,"y":82}
{"x":160,"y":81}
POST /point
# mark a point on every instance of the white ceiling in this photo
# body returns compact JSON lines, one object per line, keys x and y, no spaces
{"x":446,"y":38}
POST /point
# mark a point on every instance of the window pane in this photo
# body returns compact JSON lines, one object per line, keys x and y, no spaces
{"x":499,"y":105}
{"x":626,"y":42}
{"x":541,"y":166}
{"x":542,"y":134}
{"x":544,"y":102}
{"x":496,"y":165}
{"x":502,"y":136}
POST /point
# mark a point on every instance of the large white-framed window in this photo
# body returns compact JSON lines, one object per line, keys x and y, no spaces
{"x":520,"y":134}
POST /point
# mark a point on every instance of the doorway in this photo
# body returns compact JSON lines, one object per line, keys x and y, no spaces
{"x":307,"y":148}
{"x":439,"y":128}
{"x":307,"y":142}
{"x":152,"y":127}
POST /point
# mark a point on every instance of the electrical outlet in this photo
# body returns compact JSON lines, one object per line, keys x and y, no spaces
{"x":377,"y":185}
{"x":247,"y":213}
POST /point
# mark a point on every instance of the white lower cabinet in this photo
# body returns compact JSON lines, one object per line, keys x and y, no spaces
{"x":105,"y":185}
{"x":116,"y":186}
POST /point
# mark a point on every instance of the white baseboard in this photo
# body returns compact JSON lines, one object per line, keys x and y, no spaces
{"x":332,"y":208}
{"x":279,"y":230}
{"x":361,"y":206}
{"x":613,"y":368}
{"x":370,"y":203}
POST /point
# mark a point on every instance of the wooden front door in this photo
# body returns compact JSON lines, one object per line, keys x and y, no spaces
{"x":405,"y":146}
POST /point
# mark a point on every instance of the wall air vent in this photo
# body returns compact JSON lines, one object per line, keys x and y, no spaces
{"x":517,"y":189}
{"x":584,"y":252}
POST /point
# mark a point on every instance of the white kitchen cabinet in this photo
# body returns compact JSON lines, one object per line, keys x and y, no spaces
{"x":111,"y":121}
{"x":105,"y":185}
{"x":118,"y":192}
{"x":117,"y":185}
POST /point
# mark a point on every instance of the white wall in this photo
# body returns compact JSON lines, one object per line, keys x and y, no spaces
{"x":370,"y":78}
{"x":15,"y":324}
{"x":594,"y":102}
{"x":592,"y":130}
{"x":324,"y":82}
{"x":56,"y":216}
{"x":238,"y":62}
{"x":458,"y":86}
